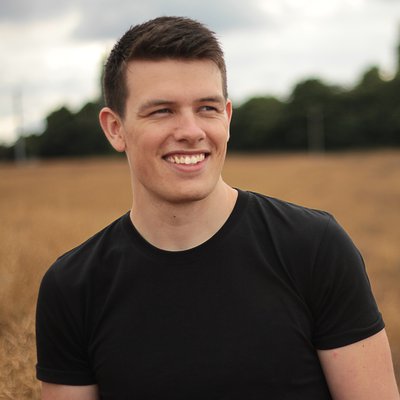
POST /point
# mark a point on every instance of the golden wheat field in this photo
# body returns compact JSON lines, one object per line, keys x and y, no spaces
{"x":49,"y":207}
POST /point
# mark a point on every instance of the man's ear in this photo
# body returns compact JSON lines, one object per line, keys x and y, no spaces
{"x":113,"y":129}
{"x":229,"y":110}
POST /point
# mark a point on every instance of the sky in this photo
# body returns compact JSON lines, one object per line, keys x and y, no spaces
{"x":52,"y":51}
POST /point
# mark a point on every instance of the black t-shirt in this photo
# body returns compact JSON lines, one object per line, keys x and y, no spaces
{"x":237,"y":317}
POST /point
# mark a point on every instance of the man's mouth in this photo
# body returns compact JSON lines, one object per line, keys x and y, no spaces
{"x":186,"y":159}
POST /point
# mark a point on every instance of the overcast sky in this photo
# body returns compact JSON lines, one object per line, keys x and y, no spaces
{"x":52,"y":51}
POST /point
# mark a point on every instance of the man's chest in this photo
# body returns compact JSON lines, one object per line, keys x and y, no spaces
{"x":203,"y":334}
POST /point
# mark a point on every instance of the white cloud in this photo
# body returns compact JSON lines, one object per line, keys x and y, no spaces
{"x":22,"y":11}
{"x":51,"y":70}
{"x":335,"y":41}
{"x":220,"y":15}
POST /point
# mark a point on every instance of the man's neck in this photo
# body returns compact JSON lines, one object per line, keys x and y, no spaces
{"x":177,"y":227}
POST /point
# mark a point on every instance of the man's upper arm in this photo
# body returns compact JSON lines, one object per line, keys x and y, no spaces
{"x":51,"y":391}
{"x":361,"y":371}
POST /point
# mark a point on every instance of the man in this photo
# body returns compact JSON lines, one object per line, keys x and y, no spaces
{"x":202,"y":291}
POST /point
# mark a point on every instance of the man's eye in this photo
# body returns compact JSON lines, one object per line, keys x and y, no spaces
{"x":161,"y":111}
{"x":208,"y":108}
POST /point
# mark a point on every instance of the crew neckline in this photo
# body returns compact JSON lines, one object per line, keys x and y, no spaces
{"x":213,"y":242}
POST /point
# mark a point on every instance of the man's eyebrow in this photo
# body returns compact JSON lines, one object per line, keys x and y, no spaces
{"x":163,"y":102}
{"x":212,"y":99}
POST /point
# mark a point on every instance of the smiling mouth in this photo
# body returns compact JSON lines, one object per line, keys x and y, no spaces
{"x":186,"y":159}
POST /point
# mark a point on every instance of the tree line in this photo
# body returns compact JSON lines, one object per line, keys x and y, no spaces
{"x":319,"y":117}
{"x":316,"y":116}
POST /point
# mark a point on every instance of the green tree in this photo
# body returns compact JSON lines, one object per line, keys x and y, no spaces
{"x":362,"y":118}
{"x":89,"y":135}
{"x":255,"y":124}
{"x":57,"y":139}
{"x":68,"y":134}
{"x":309,"y":99}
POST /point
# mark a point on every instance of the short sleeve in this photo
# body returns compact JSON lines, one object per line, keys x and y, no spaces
{"x":61,"y":350}
{"x":342,"y":303}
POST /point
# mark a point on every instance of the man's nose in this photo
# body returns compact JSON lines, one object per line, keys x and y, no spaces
{"x":188,"y":128}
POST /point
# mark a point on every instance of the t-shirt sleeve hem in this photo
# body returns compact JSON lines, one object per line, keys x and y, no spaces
{"x":64,"y":377}
{"x":350,"y":337}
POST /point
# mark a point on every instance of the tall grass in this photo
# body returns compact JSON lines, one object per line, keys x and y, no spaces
{"x":47,"y":208}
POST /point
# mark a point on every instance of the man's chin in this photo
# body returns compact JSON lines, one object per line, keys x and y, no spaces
{"x":187,"y":195}
{"x":187,"y":198}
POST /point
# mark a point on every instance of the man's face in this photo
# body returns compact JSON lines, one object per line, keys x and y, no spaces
{"x":176,"y":128}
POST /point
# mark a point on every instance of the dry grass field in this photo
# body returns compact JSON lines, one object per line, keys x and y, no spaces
{"x":47,"y":208}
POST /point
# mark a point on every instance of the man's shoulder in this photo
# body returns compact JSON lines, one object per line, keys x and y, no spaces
{"x":287,"y":212}
{"x":90,"y":253}
{"x":293,"y":228}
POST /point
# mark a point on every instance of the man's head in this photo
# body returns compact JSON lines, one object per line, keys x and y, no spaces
{"x":163,"y":38}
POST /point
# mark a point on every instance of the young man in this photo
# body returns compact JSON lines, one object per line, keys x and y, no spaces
{"x":202,"y":291}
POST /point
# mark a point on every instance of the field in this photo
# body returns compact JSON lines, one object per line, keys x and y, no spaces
{"x":47,"y":208}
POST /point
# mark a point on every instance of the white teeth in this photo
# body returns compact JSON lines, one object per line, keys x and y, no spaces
{"x":186,"y":159}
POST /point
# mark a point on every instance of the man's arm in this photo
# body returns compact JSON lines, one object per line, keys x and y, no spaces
{"x":51,"y":391}
{"x":361,"y":371}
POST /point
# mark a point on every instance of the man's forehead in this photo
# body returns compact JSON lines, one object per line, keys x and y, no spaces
{"x":170,"y":60}
{"x":159,"y":67}
{"x":162,"y":80}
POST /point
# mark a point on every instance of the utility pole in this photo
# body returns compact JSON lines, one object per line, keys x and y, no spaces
{"x":398,"y":54}
{"x":315,"y":129}
{"x":19,"y":148}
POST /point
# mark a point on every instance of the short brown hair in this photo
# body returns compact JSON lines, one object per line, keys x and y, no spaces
{"x":158,"y":39}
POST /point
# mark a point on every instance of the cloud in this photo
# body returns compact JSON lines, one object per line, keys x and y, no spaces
{"x":332,"y":41}
{"x":111,"y":18}
{"x":22,"y":11}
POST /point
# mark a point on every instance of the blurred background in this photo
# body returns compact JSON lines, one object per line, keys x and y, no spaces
{"x":317,"y":73}
{"x":316,"y":92}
